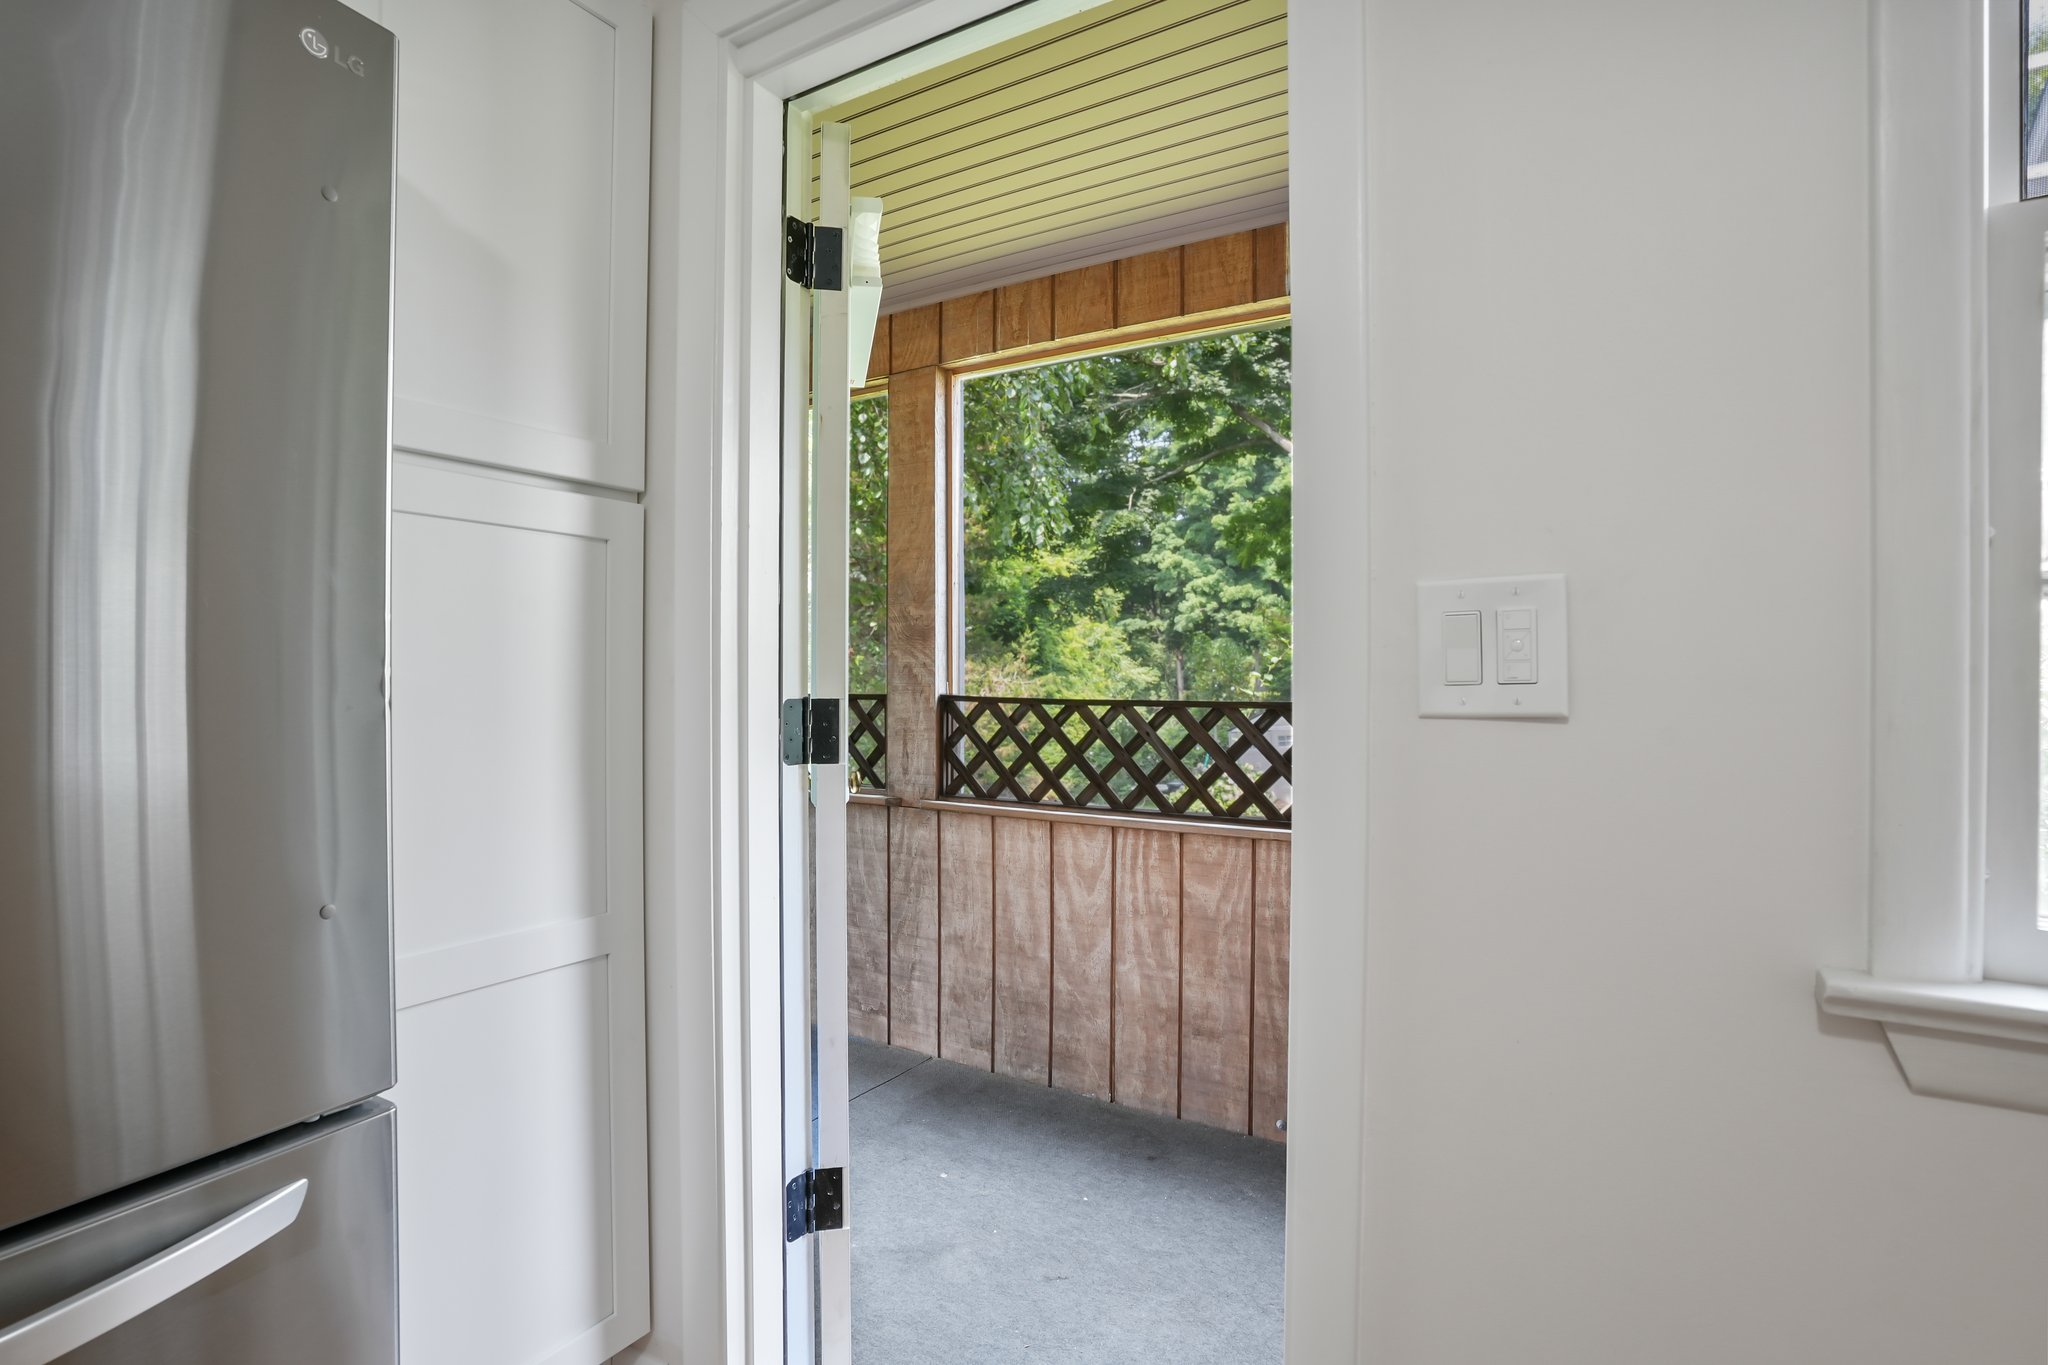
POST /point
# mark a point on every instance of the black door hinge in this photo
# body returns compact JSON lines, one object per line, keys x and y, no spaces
{"x":814,"y":1202}
{"x":810,"y":730}
{"x":813,"y":256}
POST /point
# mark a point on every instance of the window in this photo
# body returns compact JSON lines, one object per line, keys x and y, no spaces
{"x":1957,"y":971}
{"x":2034,"y":82}
{"x":2016,"y":671}
{"x":1127,"y":524}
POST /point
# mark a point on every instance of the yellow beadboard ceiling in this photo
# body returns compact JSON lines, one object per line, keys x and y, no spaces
{"x":1130,"y":125}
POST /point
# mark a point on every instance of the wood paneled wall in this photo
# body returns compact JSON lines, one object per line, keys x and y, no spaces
{"x":920,"y":584}
{"x":1239,"y":277}
{"x":1131,"y":960}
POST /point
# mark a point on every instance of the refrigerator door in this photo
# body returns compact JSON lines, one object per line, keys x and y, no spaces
{"x":282,"y":1251}
{"x":195,"y":316}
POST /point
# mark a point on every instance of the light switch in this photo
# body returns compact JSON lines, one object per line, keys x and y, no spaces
{"x":1462,"y":667}
{"x":1495,"y":648}
{"x":1517,"y":644}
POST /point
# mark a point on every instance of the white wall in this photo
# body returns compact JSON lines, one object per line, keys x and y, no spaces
{"x":1620,"y":328}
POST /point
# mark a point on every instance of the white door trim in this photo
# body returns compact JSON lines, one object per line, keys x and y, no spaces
{"x":721,"y":80}
{"x":1327,"y":1276}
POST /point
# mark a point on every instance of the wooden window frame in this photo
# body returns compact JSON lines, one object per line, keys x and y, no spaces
{"x":1120,"y":305}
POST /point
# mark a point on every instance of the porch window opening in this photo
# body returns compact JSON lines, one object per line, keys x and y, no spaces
{"x":1127,"y":582}
{"x":867,"y":591}
{"x":1126,"y":524}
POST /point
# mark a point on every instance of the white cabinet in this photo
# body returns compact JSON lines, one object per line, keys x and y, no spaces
{"x":520,"y":343}
{"x":516,"y":819}
{"x":521,"y":262}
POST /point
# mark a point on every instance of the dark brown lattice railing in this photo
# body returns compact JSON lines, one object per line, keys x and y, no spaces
{"x":1218,"y":760}
{"x":867,"y":737}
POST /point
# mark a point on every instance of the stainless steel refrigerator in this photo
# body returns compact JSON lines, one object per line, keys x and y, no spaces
{"x":195,"y":945}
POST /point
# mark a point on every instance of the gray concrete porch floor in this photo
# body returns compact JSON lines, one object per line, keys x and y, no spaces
{"x":997,"y":1221}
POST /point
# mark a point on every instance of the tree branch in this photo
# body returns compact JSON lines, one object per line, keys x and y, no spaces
{"x":1188,"y":466}
{"x":1271,"y":432}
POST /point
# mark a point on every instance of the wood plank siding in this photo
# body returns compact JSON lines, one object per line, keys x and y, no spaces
{"x":1216,"y":966}
{"x":1145,"y":1060}
{"x":913,"y":929}
{"x":1272,"y":893}
{"x":867,"y":921}
{"x":1023,"y":948}
{"x":1083,"y":953}
{"x":966,"y":939}
{"x":919,"y":587}
{"x":1221,"y":282}
{"x":1126,"y":959}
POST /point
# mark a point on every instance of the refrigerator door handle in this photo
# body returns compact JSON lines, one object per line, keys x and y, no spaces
{"x":94,"y":1312}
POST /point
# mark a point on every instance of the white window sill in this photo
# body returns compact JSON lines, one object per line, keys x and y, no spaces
{"x":1983,"y":1041}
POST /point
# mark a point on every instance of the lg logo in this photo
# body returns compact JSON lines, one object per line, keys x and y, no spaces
{"x":316,"y":43}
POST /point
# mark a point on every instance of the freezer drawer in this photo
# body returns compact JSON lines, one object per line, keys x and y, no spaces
{"x":281,"y":1251}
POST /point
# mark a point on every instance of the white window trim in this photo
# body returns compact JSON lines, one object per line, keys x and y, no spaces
{"x":1955,"y":1034}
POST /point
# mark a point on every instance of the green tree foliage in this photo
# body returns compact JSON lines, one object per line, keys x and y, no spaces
{"x":1128,"y":523}
{"x":2037,"y":78}
{"x":868,"y":548}
{"x":1128,"y":526}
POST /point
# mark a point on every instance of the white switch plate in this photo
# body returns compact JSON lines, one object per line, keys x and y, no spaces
{"x":1547,"y":698}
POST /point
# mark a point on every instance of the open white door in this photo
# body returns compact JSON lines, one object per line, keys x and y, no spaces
{"x":819,"y":365}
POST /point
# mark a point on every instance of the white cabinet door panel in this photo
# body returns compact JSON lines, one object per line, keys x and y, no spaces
{"x":509,"y":779}
{"x":516,"y":813}
{"x":521,"y":266}
{"x":505,"y":1170}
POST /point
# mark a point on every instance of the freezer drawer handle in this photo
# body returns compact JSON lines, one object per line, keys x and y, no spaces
{"x":99,"y":1310}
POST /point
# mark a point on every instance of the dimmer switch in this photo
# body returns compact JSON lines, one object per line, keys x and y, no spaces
{"x":1517,"y":644}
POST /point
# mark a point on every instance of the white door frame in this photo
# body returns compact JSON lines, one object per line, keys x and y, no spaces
{"x":722,"y":77}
